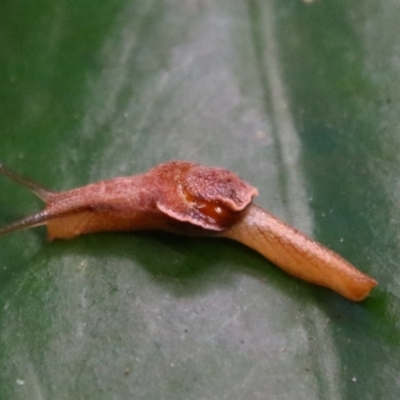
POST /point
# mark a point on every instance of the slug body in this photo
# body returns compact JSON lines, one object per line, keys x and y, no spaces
{"x":191,"y":199}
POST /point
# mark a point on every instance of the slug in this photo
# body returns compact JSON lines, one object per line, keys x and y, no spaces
{"x":191,"y":199}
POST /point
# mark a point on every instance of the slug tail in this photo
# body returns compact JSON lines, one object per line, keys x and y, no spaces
{"x":299,"y":255}
{"x":35,"y":188}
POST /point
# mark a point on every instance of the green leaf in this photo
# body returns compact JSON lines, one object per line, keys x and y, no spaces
{"x":298,"y":98}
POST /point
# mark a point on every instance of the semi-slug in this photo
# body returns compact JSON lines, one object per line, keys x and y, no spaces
{"x":191,"y":199}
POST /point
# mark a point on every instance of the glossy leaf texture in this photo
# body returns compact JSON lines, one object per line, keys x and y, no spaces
{"x":300,"y":98}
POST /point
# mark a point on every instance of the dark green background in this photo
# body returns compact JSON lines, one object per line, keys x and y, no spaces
{"x":302,"y":100}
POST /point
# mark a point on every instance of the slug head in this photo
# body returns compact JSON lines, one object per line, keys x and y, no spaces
{"x":206,"y":197}
{"x":177,"y":196}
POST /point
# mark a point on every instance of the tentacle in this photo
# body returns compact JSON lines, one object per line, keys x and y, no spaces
{"x":35,"y":188}
{"x":30,"y":221}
